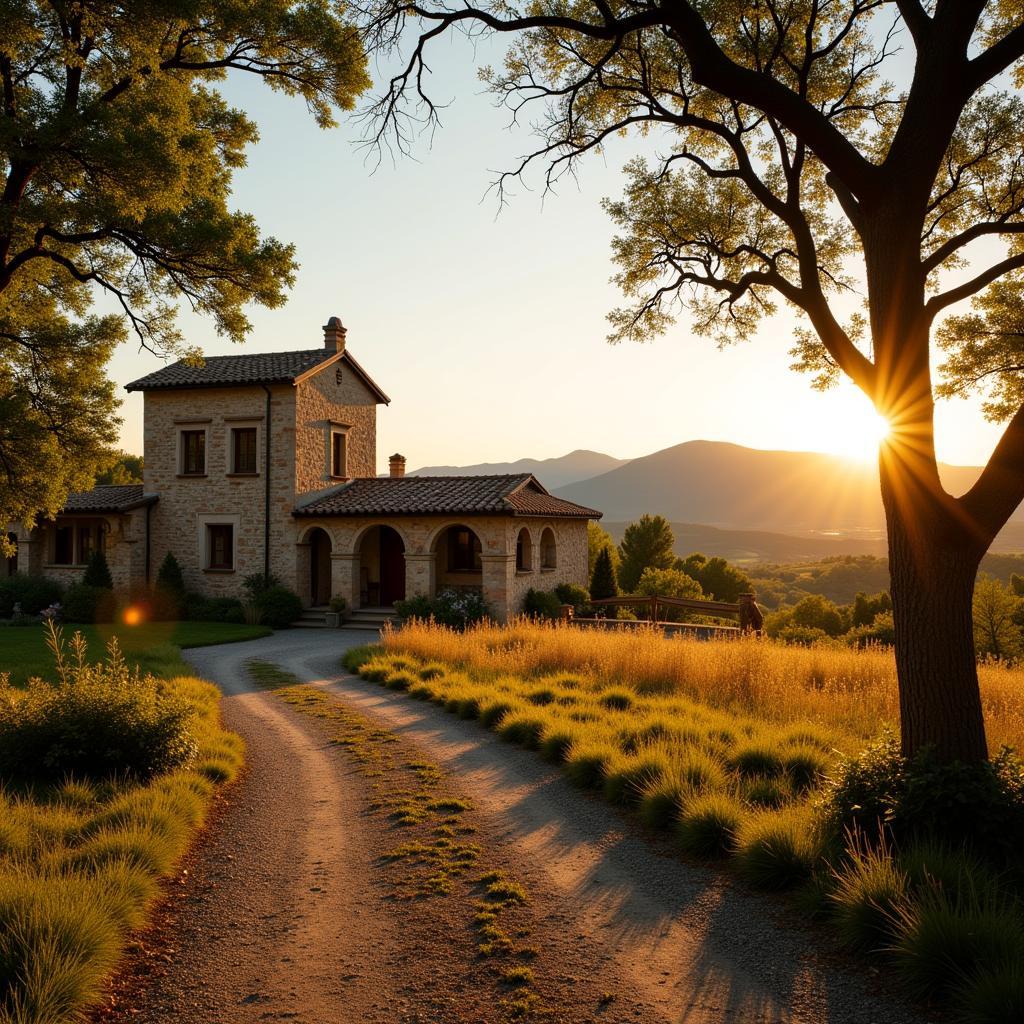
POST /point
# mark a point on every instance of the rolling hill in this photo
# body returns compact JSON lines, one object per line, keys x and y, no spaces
{"x":553,"y":473}
{"x":736,"y":488}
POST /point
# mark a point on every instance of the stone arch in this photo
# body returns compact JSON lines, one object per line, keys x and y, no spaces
{"x":524,"y":551}
{"x":380,"y":550}
{"x":458,"y":549}
{"x":360,"y":535}
{"x":548,"y":549}
{"x":318,"y":546}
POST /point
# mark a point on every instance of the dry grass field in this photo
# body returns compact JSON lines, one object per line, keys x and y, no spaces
{"x":848,"y":691}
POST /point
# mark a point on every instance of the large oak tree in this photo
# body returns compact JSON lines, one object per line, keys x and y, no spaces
{"x":116,"y":156}
{"x":791,"y":170}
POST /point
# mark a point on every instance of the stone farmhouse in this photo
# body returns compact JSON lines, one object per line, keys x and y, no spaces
{"x":268,"y":463}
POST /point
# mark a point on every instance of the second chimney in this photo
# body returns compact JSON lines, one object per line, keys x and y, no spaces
{"x":397,"y":465}
{"x":334,"y":334}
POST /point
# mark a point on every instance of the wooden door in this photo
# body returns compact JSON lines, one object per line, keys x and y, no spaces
{"x":392,"y":567}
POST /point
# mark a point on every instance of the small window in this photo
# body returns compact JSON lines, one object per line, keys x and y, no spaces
{"x":524,"y":551}
{"x":548,"y":549}
{"x":193,"y":452}
{"x":339,"y":454}
{"x":63,"y":545}
{"x":463,"y":550}
{"x":221,"y":544}
{"x":243,"y":450}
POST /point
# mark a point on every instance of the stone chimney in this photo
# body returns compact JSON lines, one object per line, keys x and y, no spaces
{"x":334,"y":334}
{"x":397,"y":465}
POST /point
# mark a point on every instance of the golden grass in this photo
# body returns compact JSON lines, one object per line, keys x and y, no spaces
{"x":80,"y":863}
{"x":850,"y":692}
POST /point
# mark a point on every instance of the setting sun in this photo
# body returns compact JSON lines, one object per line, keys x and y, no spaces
{"x":856,"y":430}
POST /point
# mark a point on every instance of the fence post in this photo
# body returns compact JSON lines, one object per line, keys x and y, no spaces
{"x":751,"y":619}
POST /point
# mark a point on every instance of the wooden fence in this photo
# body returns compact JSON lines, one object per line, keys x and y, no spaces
{"x":745,"y":610}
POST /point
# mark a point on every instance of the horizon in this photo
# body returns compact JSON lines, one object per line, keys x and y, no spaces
{"x":435,"y":284}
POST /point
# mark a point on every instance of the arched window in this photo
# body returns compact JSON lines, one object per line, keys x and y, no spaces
{"x":548,"y":550}
{"x":524,"y":551}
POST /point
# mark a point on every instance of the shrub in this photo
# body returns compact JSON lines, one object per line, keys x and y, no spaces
{"x":460,"y":609}
{"x":259,"y":583}
{"x":628,"y":777}
{"x":33,"y":593}
{"x":279,"y":606}
{"x":101,"y":721}
{"x":214,"y":609}
{"x":616,"y":700}
{"x":570,"y":593}
{"x":83,"y":603}
{"x":417,"y":607}
{"x":978,"y":806}
{"x":542,"y":604}
{"x":522,"y":727}
{"x":995,"y":995}
{"x":757,"y":759}
{"x":97,"y":572}
{"x":169,"y":575}
{"x":661,"y":802}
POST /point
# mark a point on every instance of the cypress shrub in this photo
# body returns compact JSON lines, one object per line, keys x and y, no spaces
{"x":603,"y":583}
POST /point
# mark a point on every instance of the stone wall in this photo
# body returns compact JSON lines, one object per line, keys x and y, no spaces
{"x":321,"y":401}
{"x":187,"y":504}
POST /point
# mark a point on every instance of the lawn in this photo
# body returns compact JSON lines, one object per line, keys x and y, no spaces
{"x":154,"y":646}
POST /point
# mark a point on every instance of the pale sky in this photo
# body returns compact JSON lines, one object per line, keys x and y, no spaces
{"x":488,"y":329}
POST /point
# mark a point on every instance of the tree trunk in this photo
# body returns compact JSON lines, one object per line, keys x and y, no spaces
{"x":932,"y":564}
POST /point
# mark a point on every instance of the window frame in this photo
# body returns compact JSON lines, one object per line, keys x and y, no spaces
{"x":524,"y":551}
{"x":184,"y":433}
{"x":212,"y":529}
{"x":235,"y":431}
{"x":547,"y":565}
{"x":334,"y":435}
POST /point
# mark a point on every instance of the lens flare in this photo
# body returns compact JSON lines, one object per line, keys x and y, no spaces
{"x":132,"y":615}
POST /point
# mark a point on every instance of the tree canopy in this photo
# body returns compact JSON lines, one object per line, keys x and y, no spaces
{"x":646,"y":544}
{"x":793,"y":169}
{"x":116,"y":158}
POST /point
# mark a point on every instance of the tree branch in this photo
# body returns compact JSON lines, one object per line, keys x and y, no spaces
{"x":939,"y":302}
{"x":1000,"y":488}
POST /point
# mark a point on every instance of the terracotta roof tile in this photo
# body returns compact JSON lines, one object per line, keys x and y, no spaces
{"x":108,"y":498}
{"x":253,"y":368}
{"x":444,"y":495}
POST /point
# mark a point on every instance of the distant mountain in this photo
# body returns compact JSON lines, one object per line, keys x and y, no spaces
{"x":552,"y":473}
{"x":732,"y":487}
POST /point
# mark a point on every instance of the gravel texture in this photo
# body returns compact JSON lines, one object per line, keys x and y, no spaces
{"x":282,"y":913}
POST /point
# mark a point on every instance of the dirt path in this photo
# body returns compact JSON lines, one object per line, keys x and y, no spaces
{"x":285,"y":914}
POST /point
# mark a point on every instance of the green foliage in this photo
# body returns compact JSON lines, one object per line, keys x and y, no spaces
{"x":976,"y":806}
{"x":83,"y":603}
{"x":542,"y":604}
{"x":279,"y":607}
{"x":169,"y":575}
{"x":101,"y":721}
{"x":459,"y":609}
{"x":778,"y":849}
{"x":213,"y":609}
{"x":603,"y":582}
{"x":33,"y":593}
{"x":570,"y":593}
{"x":646,"y":544}
{"x":996,"y":610}
{"x":97,"y":572}
{"x":668,"y":583}
{"x":123,"y":187}
{"x":258,"y":583}
{"x":881,"y":631}
{"x":867,"y":608}
{"x":869,"y":887}
{"x":717,"y":578}
{"x":419,"y":606}
{"x":598,"y":539}
{"x":709,"y":824}
{"x":124,"y":469}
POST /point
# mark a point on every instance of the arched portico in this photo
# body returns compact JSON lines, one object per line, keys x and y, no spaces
{"x":458,"y":553}
{"x":381,"y":561}
{"x":319,"y":590}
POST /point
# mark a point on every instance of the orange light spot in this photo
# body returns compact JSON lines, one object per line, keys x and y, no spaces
{"x":132,"y":616}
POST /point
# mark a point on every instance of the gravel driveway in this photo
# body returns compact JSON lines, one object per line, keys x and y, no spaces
{"x":282,"y":915}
